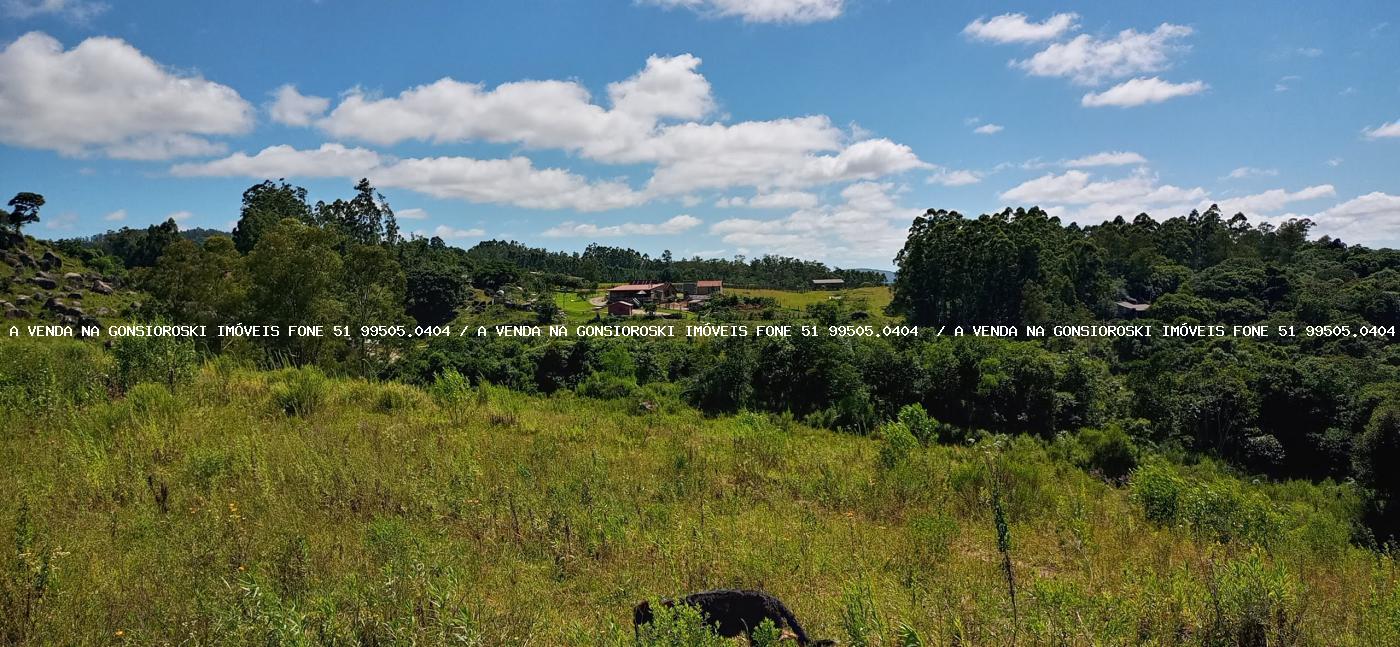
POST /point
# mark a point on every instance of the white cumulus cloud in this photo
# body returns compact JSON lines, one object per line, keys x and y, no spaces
{"x":655,"y":118}
{"x":762,"y":11}
{"x":1371,"y":219}
{"x":79,"y":11}
{"x":1113,"y":158}
{"x":988,"y":129}
{"x":1249,"y":171}
{"x":293,"y":108}
{"x":1087,"y":60}
{"x":1140,"y":91}
{"x":452,"y":233}
{"x":1017,"y":28}
{"x":106,"y":96}
{"x":954,"y":177}
{"x":674,"y":225}
{"x":1391,"y":129}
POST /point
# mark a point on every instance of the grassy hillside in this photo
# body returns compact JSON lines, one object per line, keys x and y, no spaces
{"x":286,"y":507}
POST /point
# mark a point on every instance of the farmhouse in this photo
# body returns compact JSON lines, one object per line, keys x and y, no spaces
{"x":692,"y":289}
{"x":641,"y":293}
{"x":828,"y":284}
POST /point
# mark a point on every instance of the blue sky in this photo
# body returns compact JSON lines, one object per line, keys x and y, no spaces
{"x":815,"y":128}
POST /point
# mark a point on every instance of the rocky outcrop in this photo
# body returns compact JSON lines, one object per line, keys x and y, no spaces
{"x":44,"y":282}
{"x":101,"y":287}
{"x":50,"y":261}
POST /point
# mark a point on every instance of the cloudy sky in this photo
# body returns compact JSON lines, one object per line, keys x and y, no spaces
{"x":815,"y":128}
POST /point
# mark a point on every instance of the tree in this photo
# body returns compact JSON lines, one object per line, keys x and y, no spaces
{"x":264,"y":205}
{"x":373,"y":292}
{"x":365,"y":219}
{"x":1372,"y":457}
{"x":200,"y":285}
{"x":295,"y":279}
{"x":24,"y":209}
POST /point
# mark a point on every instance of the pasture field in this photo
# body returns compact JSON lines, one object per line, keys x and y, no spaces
{"x":286,"y":507}
{"x":874,"y":298}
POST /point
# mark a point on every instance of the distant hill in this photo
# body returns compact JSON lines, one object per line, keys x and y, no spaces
{"x":888,"y":274}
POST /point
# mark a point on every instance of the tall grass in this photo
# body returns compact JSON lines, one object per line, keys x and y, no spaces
{"x":292,"y":507}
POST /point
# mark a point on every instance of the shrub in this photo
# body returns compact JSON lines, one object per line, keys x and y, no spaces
{"x":1109,"y":452}
{"x":152,"y":401}
{"x":39,"y":376}
{"x":766,"y":634}
{"x":1219,"y":510}
{"x":919,"y":423}
{"x":1158,"y":490}
{"x":302,"y":392}
{"x":1254,"y":603}
{"x":896,"y":443}
{"x":679,"y":626}
{"x":606,"y":386}
{"x":393,"y":397}
{"x":167,"y":360}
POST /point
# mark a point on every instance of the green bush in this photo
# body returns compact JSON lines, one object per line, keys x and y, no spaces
{"x":1110,"y":452}
{"x":392,"y":397}
{"x":1254,"y":603}
{"x":607,"y":386}
{"x":896,"y":444}
{"x":766,"y":634}
{"x":302,"y":392}
{"x":451,"y":388}
{"x":166,"y":360}
{"x":40,"y":376}
{"x":679,"y":626}
{"x":1219,"y":509}
{"x":919,"y":423}
{"x":1158,"y":490}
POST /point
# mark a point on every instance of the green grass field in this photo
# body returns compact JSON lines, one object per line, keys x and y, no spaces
{"x":289,"y":508}
{"x":874,"y":298}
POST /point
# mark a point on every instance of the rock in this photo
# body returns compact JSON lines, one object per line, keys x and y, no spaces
{"x":50,"y":261}
{"x":101,"y":287}
{"x":27,"y":260}
{"x":55,"y":304}
{"x":22,"y":300}
{"x":72,"y":276}
{"x":75,"y":295}
{"x":103,"y":312}
{"x":14,"y":313}
{"x":44,"y":282}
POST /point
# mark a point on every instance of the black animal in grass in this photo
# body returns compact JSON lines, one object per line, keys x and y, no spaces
{"x":735,"y":613}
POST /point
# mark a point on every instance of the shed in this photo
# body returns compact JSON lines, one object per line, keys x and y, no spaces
{"x":620,"y":309}
{"x":828,"y":284}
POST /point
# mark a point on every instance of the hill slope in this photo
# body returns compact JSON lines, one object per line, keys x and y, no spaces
{"x":255,"y":507}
